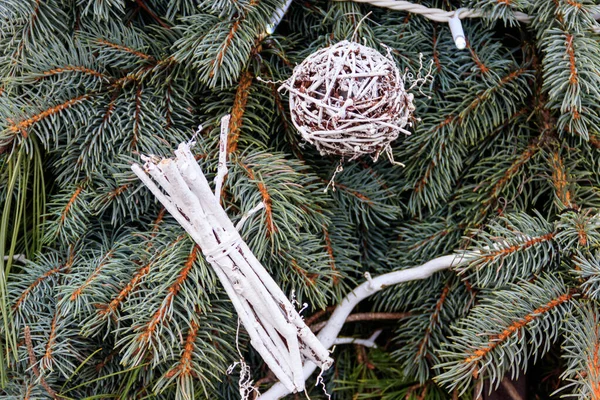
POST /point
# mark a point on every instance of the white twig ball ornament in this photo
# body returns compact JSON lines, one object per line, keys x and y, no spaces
{"x":349,"y":100}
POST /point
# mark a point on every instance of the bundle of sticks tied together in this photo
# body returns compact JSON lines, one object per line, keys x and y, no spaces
{"x":276,"y":330}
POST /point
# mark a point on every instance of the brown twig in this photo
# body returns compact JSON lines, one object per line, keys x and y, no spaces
{"x":33,"y":362}
{"x":270,"y":377}
{"x":371,"y":316}
{"x":510,"y":389}
{"x":155,"y":17}
{"x":455,"y":394}
{"x":310,"y":320}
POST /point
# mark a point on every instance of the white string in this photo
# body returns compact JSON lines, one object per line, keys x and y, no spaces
{"x":439,"y":15}
{"x":247,"y":215}
{"x":223,"y":249}
{"x":192,"y":141}
{"x":296,"y":304}
{"x":331,"y":183}
{"x":321,"y":381}
{"x":246,"y":384}
{"x":434,"y":14}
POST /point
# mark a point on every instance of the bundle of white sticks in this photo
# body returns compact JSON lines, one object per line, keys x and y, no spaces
{"x":262,"y":307}
{"x":264,"y":310}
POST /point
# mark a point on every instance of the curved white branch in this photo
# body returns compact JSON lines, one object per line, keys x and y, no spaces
{"x":370,"y":342}
{"x":330,"y":332}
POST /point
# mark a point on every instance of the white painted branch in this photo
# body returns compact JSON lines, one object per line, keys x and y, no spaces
{"x":351,"y":340}
{"x":222,"y":169}
{"x":227,"y":248}
{"x":330,"y":332}
{"x":370,"y":342}
{"x":247,"y":215}
{"x":277,"y":16}
{"x":253,"y":329}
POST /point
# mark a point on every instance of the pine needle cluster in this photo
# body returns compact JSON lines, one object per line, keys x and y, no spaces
{"x":110,"y":298}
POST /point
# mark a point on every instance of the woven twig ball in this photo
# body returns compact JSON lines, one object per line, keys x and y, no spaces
{"x":349,"y":100}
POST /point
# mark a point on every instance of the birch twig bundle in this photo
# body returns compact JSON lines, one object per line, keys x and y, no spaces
{"x":275,"y":328}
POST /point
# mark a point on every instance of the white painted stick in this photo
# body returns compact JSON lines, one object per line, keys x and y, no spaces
{"x":166,"y":202}
{"x":331,"y":330}
{"x":370,"y":342}
{"x":256,"y":274}
{"x":17,"y":258}
{"x":247,"y":215}
{"x":222,"y":169}
{"x":277,"y":16}
{"x":253,"y":329}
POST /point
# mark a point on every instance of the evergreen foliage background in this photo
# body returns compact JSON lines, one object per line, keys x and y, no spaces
{"x":115,"y":301}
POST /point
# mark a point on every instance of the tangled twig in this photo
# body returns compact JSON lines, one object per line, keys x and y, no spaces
{"x":349,"y":100}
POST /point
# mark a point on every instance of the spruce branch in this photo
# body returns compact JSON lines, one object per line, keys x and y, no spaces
{"x":514,"y":247}
{"x":435,"y":234}
{"x":579,"y":230}
{"x":587,"y":267}
{"x":561,"y":180}
{"x":154,"y":316}
{"x":495,"y":186}
{"x":444,"y":139}
{"x":582,"y":353}
{"x":46,"y":275}
{"x":569,"y":89}
{"x":142,"y":4}
{"x":219,"y":48}
{"x":532,"y":316}
{"x":424,"y":332}
{"x":100,"y":11}
{"x":21,"y":127}
{"x":238,"y":110}
{"x":147,"y":332}
{"x":27,"y":290}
